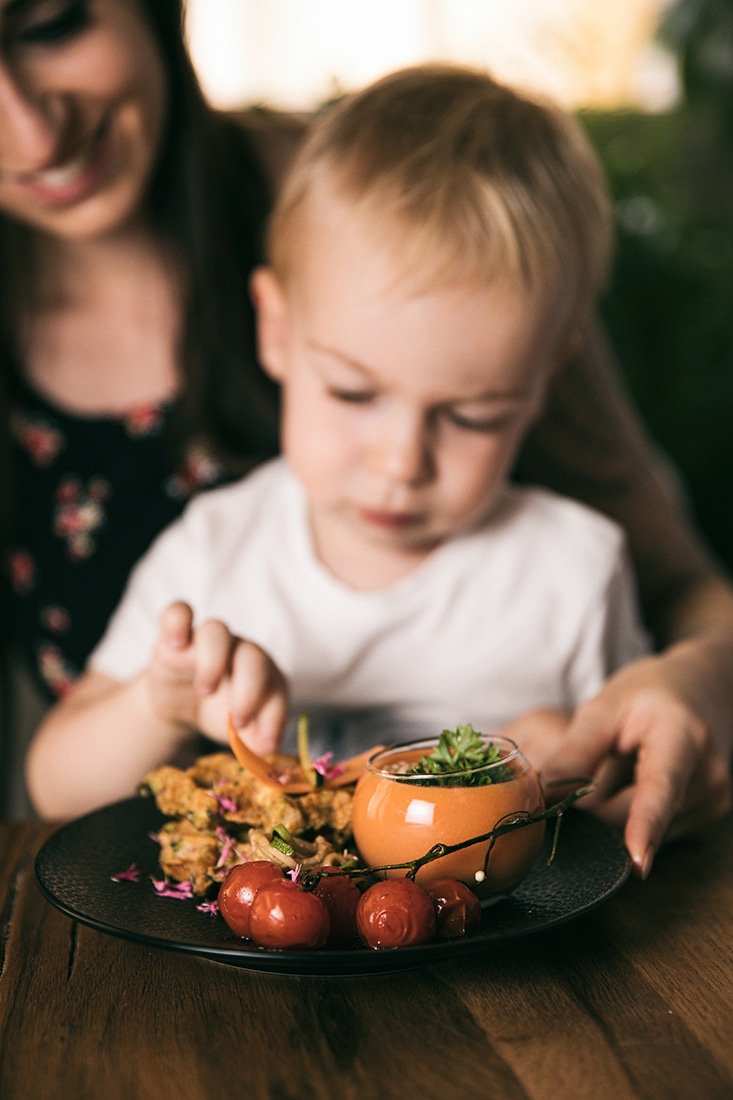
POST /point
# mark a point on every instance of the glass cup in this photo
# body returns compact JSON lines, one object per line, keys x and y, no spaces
{"x":398,"y":818}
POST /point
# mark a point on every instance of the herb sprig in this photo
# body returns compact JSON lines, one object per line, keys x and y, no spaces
{"x":461,"y":758}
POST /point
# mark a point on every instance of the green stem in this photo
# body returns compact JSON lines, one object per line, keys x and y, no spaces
{"x":306,"y":764}
{"x":504,"y":825}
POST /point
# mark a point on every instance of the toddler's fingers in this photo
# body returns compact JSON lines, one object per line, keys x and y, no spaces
{"x":213,"y":646}
{"x":262,"y":734}
{"x":256,"y":682}
{"x":175,"y":625}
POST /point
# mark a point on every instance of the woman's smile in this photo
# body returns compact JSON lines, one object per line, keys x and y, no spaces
{"x":82,"y":116}
{"x":73,"y":180}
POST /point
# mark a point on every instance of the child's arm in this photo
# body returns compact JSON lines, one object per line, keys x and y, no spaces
{"x":98,"y":743}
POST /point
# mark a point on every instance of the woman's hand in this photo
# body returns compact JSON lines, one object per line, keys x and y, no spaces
{"x":662,"y":770}
{"x":657,"y":742}
{"x":198,"y":676}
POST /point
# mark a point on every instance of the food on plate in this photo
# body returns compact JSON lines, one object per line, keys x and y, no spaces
{"x":327,"y":908}
{"x":340,"y":895}
{"x":395,"y":913}
{"x":437,"y":824}
{"x":445,"y":791}
{"x":287,"y":917}
{"x":238,"y":890}
{"x":220,"y":814}
{"x":457,"y":908}
{"x":301,"y":774}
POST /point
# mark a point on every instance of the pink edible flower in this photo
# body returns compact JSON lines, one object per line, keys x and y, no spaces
{"x":130,"y":875}
{"x":211,"y":908}
{"x":325,"y":768}
{"x":227,"y":842}
{"x":226,"y":804}
{"x":165,"y":889}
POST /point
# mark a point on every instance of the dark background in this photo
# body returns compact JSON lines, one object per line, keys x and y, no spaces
{"x":669,"y":307}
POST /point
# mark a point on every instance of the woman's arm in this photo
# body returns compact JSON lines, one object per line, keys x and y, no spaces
{"x":660,"y":733}
{"x":591,"y":445}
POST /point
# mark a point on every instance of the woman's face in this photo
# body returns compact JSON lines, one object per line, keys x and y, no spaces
{"x":82,"y":109}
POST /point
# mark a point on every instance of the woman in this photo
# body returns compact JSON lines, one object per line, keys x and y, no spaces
{"x":132,"y":219}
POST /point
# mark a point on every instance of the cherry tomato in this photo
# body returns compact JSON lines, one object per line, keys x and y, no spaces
{"x":395,"y":913}
{"x":284,"y":916}
{"x":238,"y":889}
{"x":340,"y":894}
{"x":457,"y":909}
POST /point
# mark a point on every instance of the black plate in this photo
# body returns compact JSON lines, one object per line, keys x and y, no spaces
{"x":75,"y":865}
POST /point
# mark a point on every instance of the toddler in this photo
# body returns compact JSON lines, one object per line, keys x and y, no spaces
{"x":433,"y":258}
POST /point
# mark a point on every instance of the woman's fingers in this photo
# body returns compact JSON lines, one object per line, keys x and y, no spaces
{"x":540,"y":733}
{"x":656,"y":769}
{"x":589,"y":739}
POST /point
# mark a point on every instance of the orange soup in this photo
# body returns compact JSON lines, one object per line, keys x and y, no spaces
{"x":397,"y":818}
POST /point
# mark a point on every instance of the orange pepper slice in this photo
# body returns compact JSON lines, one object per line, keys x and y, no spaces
{"x":349,"y":770}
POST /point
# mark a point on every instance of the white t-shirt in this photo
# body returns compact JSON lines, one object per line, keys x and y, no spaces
{"x":536,"y":608}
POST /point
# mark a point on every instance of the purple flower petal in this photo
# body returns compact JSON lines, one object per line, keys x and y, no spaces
{"x":226,"y":804}
{"x":325,"y":768}
{"x":130,"y":875}
{"x":166,"y":889}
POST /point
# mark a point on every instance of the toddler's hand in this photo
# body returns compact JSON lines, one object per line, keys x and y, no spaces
{"x":199,"y":676}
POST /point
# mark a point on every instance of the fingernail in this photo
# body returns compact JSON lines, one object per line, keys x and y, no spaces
{"x":644,"y":865}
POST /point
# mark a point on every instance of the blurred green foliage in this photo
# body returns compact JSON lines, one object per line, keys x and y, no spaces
{"x":669,"y":306}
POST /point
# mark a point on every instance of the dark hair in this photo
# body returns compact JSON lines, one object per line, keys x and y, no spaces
{"x":208,"y":202}
{"x":209,"y":199}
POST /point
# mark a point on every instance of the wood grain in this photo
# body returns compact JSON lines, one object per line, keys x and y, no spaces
{"x":632,"y":1002}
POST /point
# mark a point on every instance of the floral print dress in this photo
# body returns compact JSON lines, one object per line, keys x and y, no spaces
{"x":90,"y":495}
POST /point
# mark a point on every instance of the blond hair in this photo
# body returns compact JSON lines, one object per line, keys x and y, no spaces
{"x":470,"y":178}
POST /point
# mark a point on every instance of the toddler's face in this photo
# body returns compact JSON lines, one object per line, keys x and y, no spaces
{"x":403,"y":411}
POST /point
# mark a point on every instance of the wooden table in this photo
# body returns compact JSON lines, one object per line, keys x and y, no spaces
{"x":634,"y":1000}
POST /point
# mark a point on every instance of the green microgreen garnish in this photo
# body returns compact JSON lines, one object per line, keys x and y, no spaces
{"x":455,"y":760}
{"x":309,"y":772}
{"x":283,"y":840}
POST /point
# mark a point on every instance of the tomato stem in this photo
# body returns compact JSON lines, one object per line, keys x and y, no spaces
{"x":507,"y":824}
